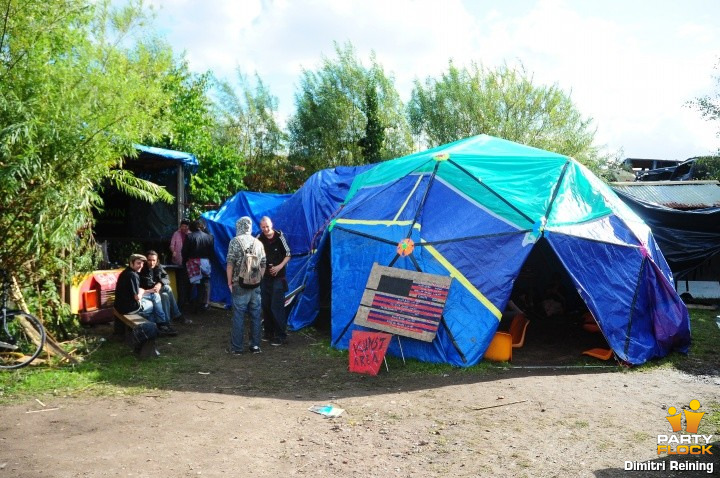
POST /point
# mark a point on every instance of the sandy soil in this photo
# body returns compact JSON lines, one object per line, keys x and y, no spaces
{"x":248,"y":416}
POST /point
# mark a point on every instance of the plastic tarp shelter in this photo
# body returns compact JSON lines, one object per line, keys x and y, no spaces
{"x":301,"y":216}
{"x":125,"y":218}
{"x":687,"y":238}
{"x":475,"y":209}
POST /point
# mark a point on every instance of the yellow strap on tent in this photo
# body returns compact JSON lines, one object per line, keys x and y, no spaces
{"x":407,"y":199}
{"x":464,"y":281}
{"x":368,"y":222}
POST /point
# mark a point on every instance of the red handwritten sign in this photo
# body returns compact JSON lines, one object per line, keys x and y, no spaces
{"x":367,"y":350}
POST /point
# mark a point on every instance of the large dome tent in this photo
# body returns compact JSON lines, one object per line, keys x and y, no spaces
{"x":475,"y":209}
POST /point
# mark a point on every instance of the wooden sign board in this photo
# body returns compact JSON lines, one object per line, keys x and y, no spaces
{"x":367,"y":351}
{"x":403,"y":302}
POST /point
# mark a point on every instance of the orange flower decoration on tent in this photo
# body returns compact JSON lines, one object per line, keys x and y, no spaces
{"x":405,"y":247}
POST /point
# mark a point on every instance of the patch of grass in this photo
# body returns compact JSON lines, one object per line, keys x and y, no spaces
{"x":411,"y":367}
{"x":640,"y":436}
{"x":110,"y":370}
{"x":712,"y":417}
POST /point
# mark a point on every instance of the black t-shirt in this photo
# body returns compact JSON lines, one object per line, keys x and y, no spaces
{"x":198,"y":244}
{"x":126,"y":288}
{"x":150,"y":277}
{"x":276,"y":249}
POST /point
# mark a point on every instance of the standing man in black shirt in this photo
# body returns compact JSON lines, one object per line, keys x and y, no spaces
{"x":274,"y":284}
{"x":197,"y":250}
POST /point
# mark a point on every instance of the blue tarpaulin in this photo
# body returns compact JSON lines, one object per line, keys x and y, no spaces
{"x":301,"y":216}
{"x":475,"y":209}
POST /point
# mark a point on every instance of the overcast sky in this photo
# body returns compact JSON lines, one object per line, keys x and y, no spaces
{"x":631,"y":65}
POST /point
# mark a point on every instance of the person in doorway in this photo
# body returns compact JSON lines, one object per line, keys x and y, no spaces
{"x":197,"y":251}
{"x":130,"y":298}
{"x":176,"y":244}
{"x":274,"y":283}
{"x":154,"y":277}
{"x":245,"y":269}
{"x":177,"y":241}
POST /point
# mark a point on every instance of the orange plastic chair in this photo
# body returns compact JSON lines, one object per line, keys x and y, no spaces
{"x":500,"y":348}
{"x":592,"y":328}
{"x":589,"y":324}
{"x":602,"y":354}
{"x":518,"y":326}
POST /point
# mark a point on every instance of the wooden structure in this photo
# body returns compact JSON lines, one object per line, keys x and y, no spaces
{"x":125,"y":324}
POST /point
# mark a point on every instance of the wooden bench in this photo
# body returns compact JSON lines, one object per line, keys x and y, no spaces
{"x":125,"y":324}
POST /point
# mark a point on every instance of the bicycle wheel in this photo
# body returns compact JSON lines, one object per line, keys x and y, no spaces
{"x":20,"y":362}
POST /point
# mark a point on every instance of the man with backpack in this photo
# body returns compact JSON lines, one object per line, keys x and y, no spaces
{"x":245,"y":269}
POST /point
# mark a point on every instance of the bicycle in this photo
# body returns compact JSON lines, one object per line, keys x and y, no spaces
{"x":13,"y":357}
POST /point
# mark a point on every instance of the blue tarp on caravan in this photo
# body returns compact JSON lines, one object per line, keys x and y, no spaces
{"x":301,"y":216}
{"x":475,"y":209}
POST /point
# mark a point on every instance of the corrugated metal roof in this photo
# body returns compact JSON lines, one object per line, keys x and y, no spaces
{"x":683,"y":195}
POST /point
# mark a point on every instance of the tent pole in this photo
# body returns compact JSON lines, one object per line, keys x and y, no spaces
{"x":452,"y":339}
{"x":402,"y":354}
{"x":343,"y":332}
{"x":442,"y":320}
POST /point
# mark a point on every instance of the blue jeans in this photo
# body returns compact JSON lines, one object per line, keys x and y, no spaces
{"x":151,"y":308}
{"x":245,"y":300}
{"x":273,"y":305}
{"x":169,"y":304}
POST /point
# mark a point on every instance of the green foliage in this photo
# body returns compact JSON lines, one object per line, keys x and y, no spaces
{"x":76,"y":90}
{"x":504,"y":103}
{"x":248,"y":126}
{"x":332,"y":108}
{"x":708,"y":167}
{"x":372,"y":142}
{"x":188,"y":123}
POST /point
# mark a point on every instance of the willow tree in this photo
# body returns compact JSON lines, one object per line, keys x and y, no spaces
{"x":248,"y":125}
{"x":504,"y":102}
{"x":77,"y":88}
{"x":333,"y":107}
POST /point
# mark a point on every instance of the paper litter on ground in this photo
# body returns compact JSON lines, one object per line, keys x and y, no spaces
{"x":329,"y":411}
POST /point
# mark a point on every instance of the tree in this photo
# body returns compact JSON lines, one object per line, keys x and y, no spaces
{"x":372,"y":142}
{"x":709,"y":106}
{"x":189,"y":123}
{"x":504,"y":103}
{"x":76,"y":90}
{"x":248,"y":125}
{"x":333,"y":111}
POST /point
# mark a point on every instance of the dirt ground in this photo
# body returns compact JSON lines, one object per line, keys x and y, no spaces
{"x":236,"y":416}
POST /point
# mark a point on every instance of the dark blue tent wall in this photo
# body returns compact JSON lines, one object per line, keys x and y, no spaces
{"x":302,"y":217}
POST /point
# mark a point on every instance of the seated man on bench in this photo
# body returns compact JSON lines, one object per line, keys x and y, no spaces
{"x":131,"y":299}
{"x":154,"y":278}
